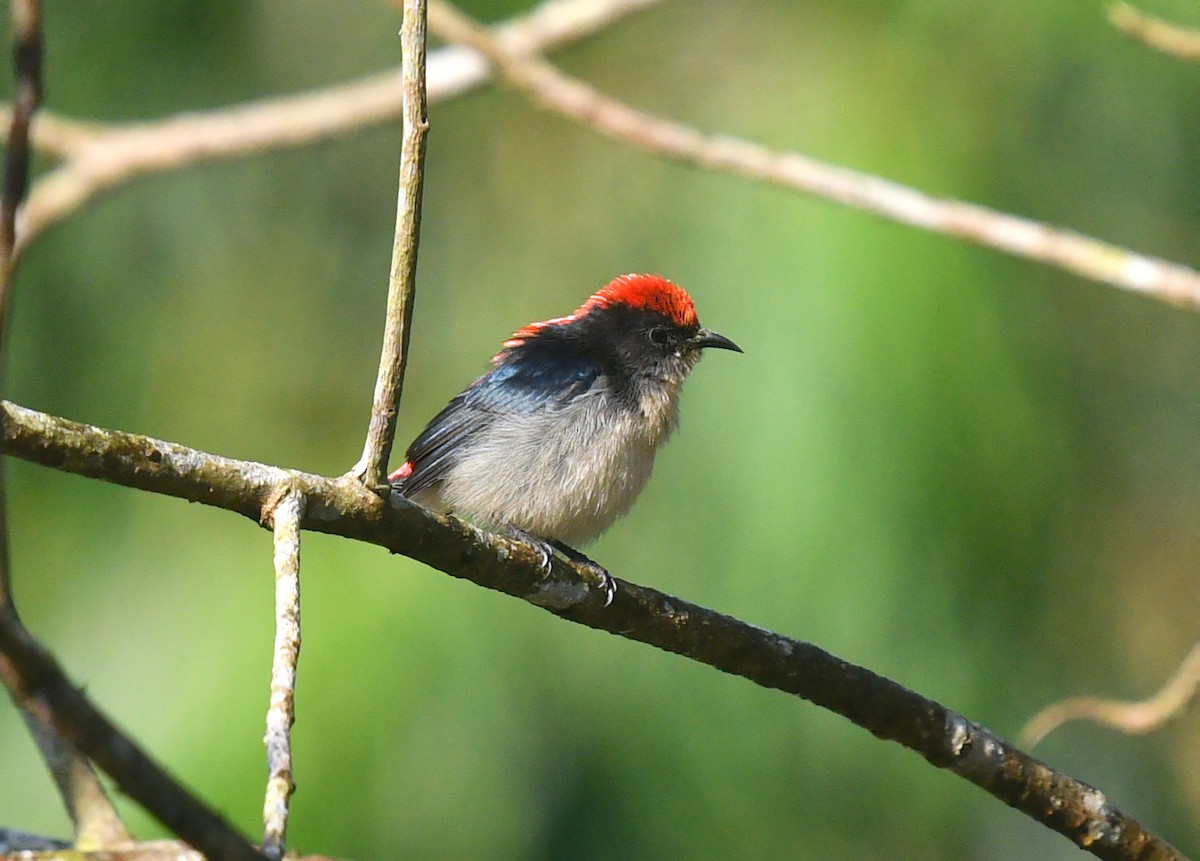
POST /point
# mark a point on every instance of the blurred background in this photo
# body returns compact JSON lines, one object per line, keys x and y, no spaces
{"x":975,"y":475}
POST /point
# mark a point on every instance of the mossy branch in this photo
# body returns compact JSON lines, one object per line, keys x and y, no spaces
{"x":343,"y":506}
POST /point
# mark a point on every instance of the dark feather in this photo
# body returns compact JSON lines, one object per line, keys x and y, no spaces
{"x":542,"y":373}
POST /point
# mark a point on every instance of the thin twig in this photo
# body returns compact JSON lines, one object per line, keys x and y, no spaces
{"x":402,"y":279}
{"x":103,"y":157}
{"x":1065,"y":249}
{"x":26,"y":19}
{"x":32,"y":673}
{"x":285,"y":518}
{"x":96,"y":821}
{"x":344,"y":507}
{"x":1129,"y":717}
{"x":1180,"y":42}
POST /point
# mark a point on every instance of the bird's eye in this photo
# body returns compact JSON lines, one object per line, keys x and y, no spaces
{"x":659,"y":336}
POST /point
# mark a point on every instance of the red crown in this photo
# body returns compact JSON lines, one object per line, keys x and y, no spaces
{"x":645,"y":292}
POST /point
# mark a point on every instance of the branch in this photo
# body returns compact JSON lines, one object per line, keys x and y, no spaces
{"x":1132,"y":718}
{"x":96,"y":823}
{"x":1065,"y":249}
{"x":26,"y":18}
{"x":1180,"y":42}
{"x":27,"y":51}
{"x":103,"y":157}
{"x":285,"y":518}
{"x":17,"y":846}
{"x":95,"y":820}
{"x":28,"y":670}
{"x":344,"y":507}
{"x":402,"y":278}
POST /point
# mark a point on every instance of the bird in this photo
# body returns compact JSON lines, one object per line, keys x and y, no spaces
{"x":557,"y":440}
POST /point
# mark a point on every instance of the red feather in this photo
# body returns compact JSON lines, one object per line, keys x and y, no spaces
{"x":646,"y":292}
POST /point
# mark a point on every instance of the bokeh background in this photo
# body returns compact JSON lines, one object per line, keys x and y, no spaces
{"x":973,"y":474}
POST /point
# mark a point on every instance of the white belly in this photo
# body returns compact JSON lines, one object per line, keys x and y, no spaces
{"x":569,"y":485}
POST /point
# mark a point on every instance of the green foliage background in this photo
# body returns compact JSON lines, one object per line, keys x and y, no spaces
{"x":975,"y":475}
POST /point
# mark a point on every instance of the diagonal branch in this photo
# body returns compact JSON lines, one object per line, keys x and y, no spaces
{"x":1131,"y":717}
{"x":402,"y":278}
{"x":344,"y":507}
{"x":102,"y":157}
{"x":1180,"y":42}
{"x":28,"y":670}
{"x":1021,"y":237}
{"x":96,"y":822}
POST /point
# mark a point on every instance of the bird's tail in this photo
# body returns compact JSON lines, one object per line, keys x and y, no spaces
{"x":399,"y":478}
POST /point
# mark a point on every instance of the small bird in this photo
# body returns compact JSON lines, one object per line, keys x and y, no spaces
{"x":558,"y":439}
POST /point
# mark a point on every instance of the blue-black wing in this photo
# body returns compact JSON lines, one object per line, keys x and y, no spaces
{"x":528,"y":379}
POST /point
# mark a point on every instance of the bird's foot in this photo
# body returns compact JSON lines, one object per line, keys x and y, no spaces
{"x":544,"y":550}
{"x":597,"y":575}
{"x":594,"y":574}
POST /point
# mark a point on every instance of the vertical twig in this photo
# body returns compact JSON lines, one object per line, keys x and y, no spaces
{"x":26,"y":19}
{"x":281,"y":713}
{"x":402,"y":280}
{"x":96,"y":821}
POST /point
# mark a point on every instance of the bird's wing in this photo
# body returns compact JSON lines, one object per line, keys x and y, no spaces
{"x":525,"y":383}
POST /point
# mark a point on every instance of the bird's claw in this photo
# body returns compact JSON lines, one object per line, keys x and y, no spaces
{"x":595,"y":575}
{"x":544,"y":549}
{"x":545,"y":557}
{"x":599,"y":578}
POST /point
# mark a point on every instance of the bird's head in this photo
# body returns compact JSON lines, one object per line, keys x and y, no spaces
{"x":638,"y":329}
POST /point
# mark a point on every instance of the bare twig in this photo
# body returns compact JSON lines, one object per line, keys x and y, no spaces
{"x":285,"y":518}
{"x":26,"y":17}
{"x":1128,"y":717}
{"x":551,"y":24}
{"x":402,"y":279}
{"x":26,"y":21}
{"x":1180,"y":42}
{"x":28,"y":670}
{"x":344,"y":507}
{"x":1065,"y":249}
{"x":95,"y":819}
{"x":103,"y":157}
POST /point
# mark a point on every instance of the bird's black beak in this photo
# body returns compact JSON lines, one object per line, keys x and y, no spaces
{"x":705,"y":338}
